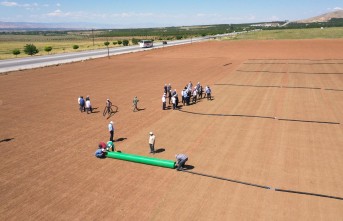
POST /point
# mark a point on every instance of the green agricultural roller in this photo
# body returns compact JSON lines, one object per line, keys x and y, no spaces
{"x":142,"y":159}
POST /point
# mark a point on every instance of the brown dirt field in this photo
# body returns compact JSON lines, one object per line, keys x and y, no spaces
{"x":49,"y":172}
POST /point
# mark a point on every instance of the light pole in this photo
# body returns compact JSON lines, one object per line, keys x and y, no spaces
{"x":93,"y":36}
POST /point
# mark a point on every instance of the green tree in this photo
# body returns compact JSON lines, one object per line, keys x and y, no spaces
{"x":47,"y":49}
{"x":134,"y":41}
{"x":16,"y":52}
{"x":114,"y":43}
{"x":75,"y":47}
{"x":119,"y":42}
{"x":30,"y":49}
{"x":106,"y":43}
{"x":125,"y":42}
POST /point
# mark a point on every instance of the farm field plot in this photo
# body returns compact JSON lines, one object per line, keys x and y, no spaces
{"x":275,"y":121}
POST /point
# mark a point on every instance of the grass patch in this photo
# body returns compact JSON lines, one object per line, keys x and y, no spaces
{"x":280,"y":34}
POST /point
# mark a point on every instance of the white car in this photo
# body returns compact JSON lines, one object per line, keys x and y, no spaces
{"x":146,"y":43}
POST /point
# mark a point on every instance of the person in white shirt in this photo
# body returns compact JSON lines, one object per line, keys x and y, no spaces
{"x":152,"y":142}
{"x":164,"y":101}
{"x":182,"y":99}
{"x":111,"y":130}
{"x":88,"y":106}
{"x":174,"y":102}
{"x":195,"y":93}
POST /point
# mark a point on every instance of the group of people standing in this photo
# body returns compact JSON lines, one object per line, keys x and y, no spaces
{"x":189,"y":95}
{"x":172,"y":97}
{"x":103,"y":148}
{"x":85,"y":104}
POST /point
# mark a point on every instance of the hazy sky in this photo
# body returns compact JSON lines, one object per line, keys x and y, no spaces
{"x":154,"y":13}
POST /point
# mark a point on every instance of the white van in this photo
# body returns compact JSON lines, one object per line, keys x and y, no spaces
{"x":146,"y":43}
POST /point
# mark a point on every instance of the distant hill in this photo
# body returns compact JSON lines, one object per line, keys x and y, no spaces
{"x":323,"y":18}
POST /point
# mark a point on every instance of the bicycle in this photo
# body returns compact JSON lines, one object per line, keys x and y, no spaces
{"x":107,"y":110}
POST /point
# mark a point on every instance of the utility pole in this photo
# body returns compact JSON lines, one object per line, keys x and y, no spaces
{"x":93,"y":36}
{"x":108,"y":50}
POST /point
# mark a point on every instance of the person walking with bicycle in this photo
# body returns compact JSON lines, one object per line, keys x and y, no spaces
{"x":108,"y":105}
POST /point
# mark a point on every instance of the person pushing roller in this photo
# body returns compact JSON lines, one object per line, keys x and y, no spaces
{"x":181,"y":159}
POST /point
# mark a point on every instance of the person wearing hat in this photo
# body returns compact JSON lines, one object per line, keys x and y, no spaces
{"x":164,"y":101}
{"x":152,"y":142}
{"x":111,"y":130}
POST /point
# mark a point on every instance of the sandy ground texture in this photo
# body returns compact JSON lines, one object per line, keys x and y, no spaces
{"x":275,"y":120}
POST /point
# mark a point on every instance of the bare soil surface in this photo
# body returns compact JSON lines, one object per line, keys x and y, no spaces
{"x":275,"y":120}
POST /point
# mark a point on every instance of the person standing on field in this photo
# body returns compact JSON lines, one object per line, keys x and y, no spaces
{"x":88,"y":105}
{"x":108,"y":106}
{"x":195,"y":93}
{"x":174,"y":102}
{"x":152,"y":142}
{"x":135,"y":102}
{"x":182,"y":98}
{"x":110,"y":145}
{"x":165,"y":88}
{"x":164,"y":101}
{"x":208,"y":93}
{"x":169,"y":92}
{"x":82,"y":104}
{"x":111,"y":130}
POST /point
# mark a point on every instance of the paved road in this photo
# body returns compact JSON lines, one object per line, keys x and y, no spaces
{"x":47,"y":60}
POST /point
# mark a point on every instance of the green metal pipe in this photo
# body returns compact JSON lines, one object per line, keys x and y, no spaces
{"x":141,"y":159}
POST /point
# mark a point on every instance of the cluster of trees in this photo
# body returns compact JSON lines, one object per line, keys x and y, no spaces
{"x":31,"y":49}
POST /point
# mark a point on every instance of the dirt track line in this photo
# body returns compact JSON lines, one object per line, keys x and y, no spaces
{"x":295,"y":59}
{"x":265,"y":117}
{"x":276,"y":86}
{"x":309,"y":121}
{"x":264,"y":187}
{"x":291,"y":72}
{"x":296,"y":63}
{"x":247,"y":85}
{"x":329,"y":89}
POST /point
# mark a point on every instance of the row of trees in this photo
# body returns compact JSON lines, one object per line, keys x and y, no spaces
{"x":31,"y":49}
